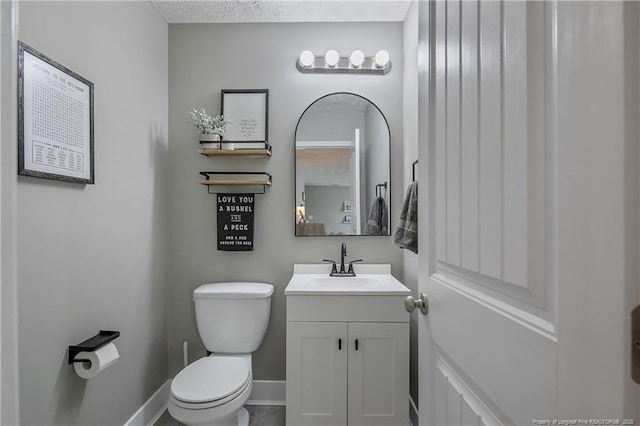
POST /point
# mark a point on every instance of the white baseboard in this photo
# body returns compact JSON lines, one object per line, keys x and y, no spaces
{"x":268,"y":392}
{"x":153,"y":408}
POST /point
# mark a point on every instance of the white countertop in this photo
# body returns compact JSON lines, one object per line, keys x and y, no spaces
{"x":314,"y":279}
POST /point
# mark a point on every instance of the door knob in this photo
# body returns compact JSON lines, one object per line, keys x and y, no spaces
{"x":410,"y":304}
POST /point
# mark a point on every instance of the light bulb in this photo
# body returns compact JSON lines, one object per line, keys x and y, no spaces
{"x":382,"y":58}
{"x":357,"y":58}
{"x":306,"y":58}
{"x":332,"y":57}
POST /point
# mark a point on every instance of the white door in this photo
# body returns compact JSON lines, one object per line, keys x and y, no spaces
{"x":529,"y":240}
{"x":378,"y":373}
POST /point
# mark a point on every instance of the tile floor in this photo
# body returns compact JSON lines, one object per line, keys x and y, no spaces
{"x":259,"y":415}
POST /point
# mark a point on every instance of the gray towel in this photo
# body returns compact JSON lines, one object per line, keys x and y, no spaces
{"x":378,"y":218}
{"x":406,"y":233}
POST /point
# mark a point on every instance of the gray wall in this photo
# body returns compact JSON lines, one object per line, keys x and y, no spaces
{"x":377,"y":153}
{"x":94,"y":257}
{"x":325,"y":204}
{"x":203,"y":59}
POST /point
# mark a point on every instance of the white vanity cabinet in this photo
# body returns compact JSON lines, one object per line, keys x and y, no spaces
{"x":331,"y":382}
{"x":347,"y":358}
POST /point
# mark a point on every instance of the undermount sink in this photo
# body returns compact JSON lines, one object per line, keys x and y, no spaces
{"x":369,"y":280}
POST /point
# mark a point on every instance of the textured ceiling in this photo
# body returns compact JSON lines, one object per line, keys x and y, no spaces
{"x":239,"y":11}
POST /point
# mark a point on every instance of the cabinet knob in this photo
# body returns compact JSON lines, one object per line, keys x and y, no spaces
{"x":410,"y":304}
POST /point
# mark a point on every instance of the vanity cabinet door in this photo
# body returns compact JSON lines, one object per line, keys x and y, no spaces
{"x":378,"y":374}
{"x":317,"y":373}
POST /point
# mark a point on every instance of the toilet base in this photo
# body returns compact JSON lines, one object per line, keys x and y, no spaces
{"x":243,"y":417}
{"x":216,"y":416}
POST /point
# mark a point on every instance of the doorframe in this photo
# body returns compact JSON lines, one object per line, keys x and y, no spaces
{"x":9,"y":388}
{"x":632,"y":130}
{"x":426,"y":82}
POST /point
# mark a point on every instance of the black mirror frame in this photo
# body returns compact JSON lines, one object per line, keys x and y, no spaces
{"x":295,"y":165}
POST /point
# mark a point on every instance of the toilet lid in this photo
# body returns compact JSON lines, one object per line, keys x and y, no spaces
{"x":210,"y":378}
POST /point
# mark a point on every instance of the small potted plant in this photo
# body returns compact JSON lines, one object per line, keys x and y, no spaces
{"x":212,"y":129}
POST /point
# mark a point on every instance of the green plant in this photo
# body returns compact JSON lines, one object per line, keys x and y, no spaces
{"x":206,"y":124}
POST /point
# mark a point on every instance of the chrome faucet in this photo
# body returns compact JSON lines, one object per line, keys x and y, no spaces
{"x":343,"y":272}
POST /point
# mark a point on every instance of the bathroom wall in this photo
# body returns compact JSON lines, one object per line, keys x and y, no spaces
{"x":324,"y":205}
{"x":411,"y":142}
{"x":377,"y":153}
{"x":205,"y":58}
{"x":8,"y":136}
{"x":95,"y":257}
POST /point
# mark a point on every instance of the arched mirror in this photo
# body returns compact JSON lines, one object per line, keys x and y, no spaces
{"x":343,"y":184}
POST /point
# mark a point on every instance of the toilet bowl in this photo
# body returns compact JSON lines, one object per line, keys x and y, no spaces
{"x":232,"y":319}
{"x":212,"y":391}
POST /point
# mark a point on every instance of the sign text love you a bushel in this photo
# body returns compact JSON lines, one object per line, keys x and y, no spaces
{"x":235,"y":222}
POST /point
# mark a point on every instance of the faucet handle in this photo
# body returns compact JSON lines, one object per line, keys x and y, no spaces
{"x":351,"y":265}
{"x":334,"y":268}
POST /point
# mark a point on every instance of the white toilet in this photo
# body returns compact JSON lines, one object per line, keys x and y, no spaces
{"x":232,"y":319}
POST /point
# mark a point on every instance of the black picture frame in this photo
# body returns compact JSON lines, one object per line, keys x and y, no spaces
{"x":55,"y":120}
{"x":247,"y":111}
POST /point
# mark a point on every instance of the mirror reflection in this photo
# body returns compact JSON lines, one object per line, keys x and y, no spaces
{"x":342,"y":168}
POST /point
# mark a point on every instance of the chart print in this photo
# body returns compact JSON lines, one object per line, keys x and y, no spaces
{"x":56,"y":120}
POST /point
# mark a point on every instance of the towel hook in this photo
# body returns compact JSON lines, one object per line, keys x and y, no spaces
{"x":414,"y":170}
{"x":379,"y":189}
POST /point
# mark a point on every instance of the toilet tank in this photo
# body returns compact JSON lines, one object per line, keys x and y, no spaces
{"x":232,"y":317}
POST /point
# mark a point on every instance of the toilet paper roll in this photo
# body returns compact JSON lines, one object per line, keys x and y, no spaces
{"x":98,"y":361}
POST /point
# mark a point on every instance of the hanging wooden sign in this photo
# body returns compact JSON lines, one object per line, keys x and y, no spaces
{"x":235,"y":222}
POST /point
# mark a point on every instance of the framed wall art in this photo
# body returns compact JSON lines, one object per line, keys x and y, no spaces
{"x":247,"y":112}
{"x":55,"y":120}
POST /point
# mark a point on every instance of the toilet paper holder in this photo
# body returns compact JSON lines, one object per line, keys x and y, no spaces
{"x":92,"y":344}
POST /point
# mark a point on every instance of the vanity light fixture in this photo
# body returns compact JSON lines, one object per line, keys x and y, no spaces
{"x":331,"y":58}
{"x":356,"y":58}
{"x":306,"y":58}
{"x":356,"y":63}
{"x":382,"y":58}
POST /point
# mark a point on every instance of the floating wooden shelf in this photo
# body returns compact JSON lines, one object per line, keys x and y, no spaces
{"x":251,"y":179}
{"x":235,"y":182}
{"x":235,"y":152}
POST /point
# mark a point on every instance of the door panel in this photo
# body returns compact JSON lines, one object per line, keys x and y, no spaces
{"x":458,"y":404}
{"x":491,"y":189}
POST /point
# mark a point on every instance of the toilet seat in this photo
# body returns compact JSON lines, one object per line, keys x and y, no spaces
{"x":210,"y":382}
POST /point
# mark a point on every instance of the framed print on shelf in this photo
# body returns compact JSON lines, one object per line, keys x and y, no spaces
{"x":55,"y":120}
{"x":247,"y":112}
